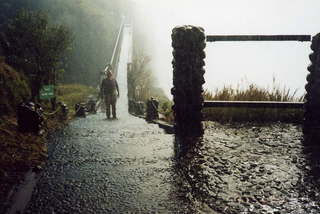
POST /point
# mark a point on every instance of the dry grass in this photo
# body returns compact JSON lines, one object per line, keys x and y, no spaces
{"x":253,"y":93}
{"x":18,"y":153}
{"x":22,"y":151}
{"x":18,"y":148}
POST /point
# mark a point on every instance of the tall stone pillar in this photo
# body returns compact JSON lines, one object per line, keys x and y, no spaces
{"x":188,"y":44}
{"x":312,"y":100}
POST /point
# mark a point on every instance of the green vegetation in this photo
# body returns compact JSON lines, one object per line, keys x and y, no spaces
{"x":72,"y":94}
{"x":34,"y":47}
{"x":58,"y":41}
{"x":93,"y":24}
{"x":14,"y":89}
{"x":253,"y":93}
{"x":48,"y":42}
{"x":142,"y":84}
{"x":166,"y":110}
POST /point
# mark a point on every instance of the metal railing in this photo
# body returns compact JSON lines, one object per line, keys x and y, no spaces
{"x":255,"y":104}
{"x":188,"y":44}
{"x":116,"y":51}
{"x":114,"y":60}
{"x":232,"y":38}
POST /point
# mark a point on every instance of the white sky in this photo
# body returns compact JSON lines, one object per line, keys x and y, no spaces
{"x":228,"y":63}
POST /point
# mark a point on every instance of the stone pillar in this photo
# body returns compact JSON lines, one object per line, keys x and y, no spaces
{"x":64,"y":111}
{"x":152,"y":109}
{"x":312,"y":99}
{"x":30,"y":118}
{"x":188,"y":44}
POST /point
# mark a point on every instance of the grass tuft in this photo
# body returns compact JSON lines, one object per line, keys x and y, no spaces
{"x":253,"y":92}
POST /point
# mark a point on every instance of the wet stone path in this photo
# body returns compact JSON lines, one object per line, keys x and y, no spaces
{"x":129,"y":166}
{"x":110,"y":166}
{"x":253,"y":169}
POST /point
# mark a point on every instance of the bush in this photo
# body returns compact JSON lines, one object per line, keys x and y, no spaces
{"x":14,"y":89}
{"x":166,"y":111}
{"x":35,"y":47}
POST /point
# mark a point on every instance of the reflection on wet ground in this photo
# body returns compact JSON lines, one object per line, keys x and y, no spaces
{"x":129,"y":166}
{"x":100,"y":166}
{"x":117,"y":166}
{"x":253,"y":169}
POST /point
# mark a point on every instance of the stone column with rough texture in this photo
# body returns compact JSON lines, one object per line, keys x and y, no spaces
{"x":152,"y":109}
{"x":188,"y":44}
{"x":312,"y":98}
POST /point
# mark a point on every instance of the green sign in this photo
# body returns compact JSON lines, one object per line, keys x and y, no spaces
{"x":47,"y":92}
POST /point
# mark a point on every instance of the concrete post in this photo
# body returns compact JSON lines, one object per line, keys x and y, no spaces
{"x":312,"y":99}
{"x":188,"y":43}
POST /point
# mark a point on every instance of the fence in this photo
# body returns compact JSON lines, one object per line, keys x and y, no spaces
{"x":115,"y":54}
{"x":189,"y":42}
{"x":116,"y":51}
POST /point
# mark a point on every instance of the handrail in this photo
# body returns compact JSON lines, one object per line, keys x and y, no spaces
{"x":48,"y":114}
{"x":114,"y":58}
{"x":226,"y":38}
{"x":117,"y":42}
{"x":116,"y":51}
{"x":253,"y":104}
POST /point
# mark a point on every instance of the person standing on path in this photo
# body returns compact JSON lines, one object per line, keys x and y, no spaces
{"x":109,"y":91}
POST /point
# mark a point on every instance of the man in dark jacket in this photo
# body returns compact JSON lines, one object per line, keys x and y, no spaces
{"x":110,"y":92}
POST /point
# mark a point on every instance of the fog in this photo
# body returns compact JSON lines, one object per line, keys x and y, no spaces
{"x":231,"y":63}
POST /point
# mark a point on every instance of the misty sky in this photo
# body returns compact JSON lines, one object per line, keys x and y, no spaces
{"x":235,"y":62}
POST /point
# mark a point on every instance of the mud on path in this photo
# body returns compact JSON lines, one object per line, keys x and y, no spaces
{"x":253,"y":169}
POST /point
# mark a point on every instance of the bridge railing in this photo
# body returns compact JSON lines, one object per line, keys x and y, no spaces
{"x":253,"y":104}
{"x":114,"y":60}
{"x":117,"y":50}
{"x":189,"y":42}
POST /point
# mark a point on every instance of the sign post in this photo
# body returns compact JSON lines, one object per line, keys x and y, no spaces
{"x":47,"y":92}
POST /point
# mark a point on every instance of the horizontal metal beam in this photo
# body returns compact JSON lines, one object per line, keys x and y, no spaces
{"x":253,"y":104}
{"x":220,"y":38}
